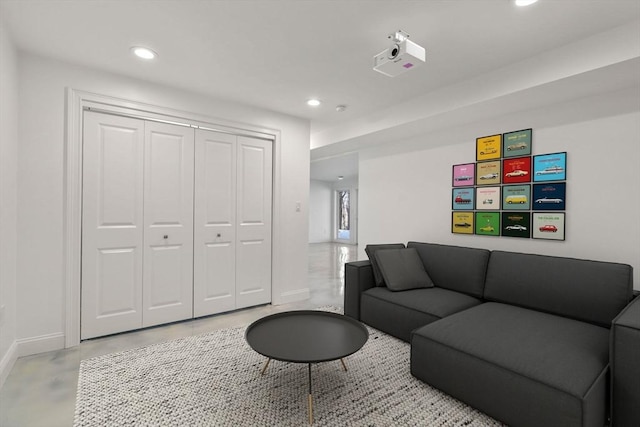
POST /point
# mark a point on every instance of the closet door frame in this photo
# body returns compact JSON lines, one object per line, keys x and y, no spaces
{"x":77,"y":102}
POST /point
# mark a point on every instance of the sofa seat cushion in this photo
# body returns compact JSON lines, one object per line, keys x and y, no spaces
{"x":497,"y":357}
{"x":399,"y":313}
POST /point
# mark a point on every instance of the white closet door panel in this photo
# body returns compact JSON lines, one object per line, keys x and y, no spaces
{"x":168,"y":220}
{"x":253,"y":252}
{"x":215,"y":223}
{"x":112,"y":226}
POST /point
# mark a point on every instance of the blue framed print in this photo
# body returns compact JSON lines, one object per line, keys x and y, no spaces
{"x":550,"y":167}
{"x":462,"y":198}
{"x":550,"y":197}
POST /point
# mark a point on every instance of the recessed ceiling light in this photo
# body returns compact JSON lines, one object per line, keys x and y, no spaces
{"x":525,"y":2}
{"x":313,"y":102}
{"x":143,"y":52}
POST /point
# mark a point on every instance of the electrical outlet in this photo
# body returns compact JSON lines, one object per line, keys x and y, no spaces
{"x":298,"y":206}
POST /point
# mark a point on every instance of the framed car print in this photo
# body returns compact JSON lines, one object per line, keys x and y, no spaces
{"x":489,"y":147}
{"x":515,"y":144}
{"x":464,"y":174}
{"x":487,"y":223}
{"x":488,"y":173}
{"x":488,"y":198}
{"x":516,"y":197}
{"x":550,"y":167}
{"x":550,"y":196}
{"x":462,"y":222}
{"x":516,"y":224}
{"x":548,"y":225}
{"x":517,"y":169}
{"x":462,"y":198}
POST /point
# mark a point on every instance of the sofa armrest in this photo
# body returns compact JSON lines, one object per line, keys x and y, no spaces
{"x":358,"y":277}
{"x":625,"y":369}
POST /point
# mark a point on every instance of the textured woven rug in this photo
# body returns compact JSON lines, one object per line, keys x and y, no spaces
{"x":214,"y":380}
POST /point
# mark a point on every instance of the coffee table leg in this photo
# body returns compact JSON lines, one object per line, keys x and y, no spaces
{"x":265,"y":366}
{"x":310,"y":398}
{"x":343,"y":365}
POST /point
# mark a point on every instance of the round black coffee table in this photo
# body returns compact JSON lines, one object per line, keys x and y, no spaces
{"x":306,"y":336}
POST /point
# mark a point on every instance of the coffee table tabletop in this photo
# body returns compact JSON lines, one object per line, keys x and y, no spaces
{"x":306,"y":336}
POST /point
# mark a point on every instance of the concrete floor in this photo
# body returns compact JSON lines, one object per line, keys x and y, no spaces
{"x":40,"y":391}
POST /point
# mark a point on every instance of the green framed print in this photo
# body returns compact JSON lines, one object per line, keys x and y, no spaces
{"x":516,"y":143}
{"x":462,"y":222}
{"x":488,"y":223}
{"x":548,"y":225}
{"x":516,"y":224}
{"x":516,"y":197}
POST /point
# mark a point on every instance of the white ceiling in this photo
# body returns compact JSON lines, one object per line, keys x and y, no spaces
{"x":276,"y":54}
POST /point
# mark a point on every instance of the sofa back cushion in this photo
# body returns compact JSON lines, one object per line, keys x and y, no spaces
{"x":402,"y":269}
{"x":370,"y":250}
{"x":454,"y":267}
{"x":591,"y":291}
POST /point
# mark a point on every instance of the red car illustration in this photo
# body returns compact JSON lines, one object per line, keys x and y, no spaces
{"x":459,"y":199}
{"x":548,"y":227}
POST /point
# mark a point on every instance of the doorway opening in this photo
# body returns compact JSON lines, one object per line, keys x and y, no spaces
{"x":343,"y":215}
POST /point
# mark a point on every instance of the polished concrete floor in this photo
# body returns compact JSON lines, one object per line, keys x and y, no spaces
{"x":40,"y":391}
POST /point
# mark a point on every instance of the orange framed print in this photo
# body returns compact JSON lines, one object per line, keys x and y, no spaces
{"x":489,"y":147}
{"x":462,"y":222}
{"x":488,"y":173}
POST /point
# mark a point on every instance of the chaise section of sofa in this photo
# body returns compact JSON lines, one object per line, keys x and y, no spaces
{"x":537,"y":353}
{"x":458,"y":275}
{"x":625,"y":367}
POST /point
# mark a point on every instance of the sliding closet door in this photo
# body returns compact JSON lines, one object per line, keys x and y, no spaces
{"x":168,"y":222}
{"x":253,"y":253}
{"x":214,"y":281}
{"x":112,"y":224}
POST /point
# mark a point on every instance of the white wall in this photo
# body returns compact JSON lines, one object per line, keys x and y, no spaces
{"x":320,"y":211}
{"x":8,"y":201}
{"x":405,"y":186}
{"x":42,"y":83}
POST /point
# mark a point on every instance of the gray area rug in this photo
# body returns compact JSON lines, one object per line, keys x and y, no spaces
{"x":214,"y":380}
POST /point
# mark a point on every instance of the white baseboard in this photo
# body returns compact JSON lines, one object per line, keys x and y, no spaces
{"x":6,"y":364}
{"x":292,"y":296}
{"x":40,"y":344}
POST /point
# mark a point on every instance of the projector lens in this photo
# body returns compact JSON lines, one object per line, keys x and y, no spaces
{"x":393,"y":52}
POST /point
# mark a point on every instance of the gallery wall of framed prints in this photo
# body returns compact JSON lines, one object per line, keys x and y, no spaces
{"x":510,"y":192}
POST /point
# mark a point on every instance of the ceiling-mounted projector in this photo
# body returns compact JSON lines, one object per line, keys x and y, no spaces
{"x":403,"y":55}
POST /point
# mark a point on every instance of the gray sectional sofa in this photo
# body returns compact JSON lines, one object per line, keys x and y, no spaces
{"x":530,"y":340}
